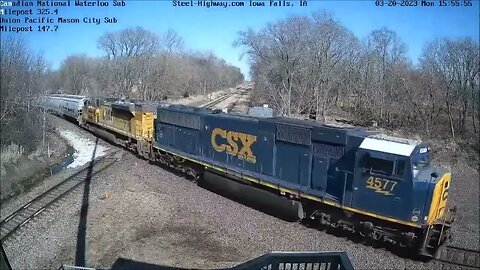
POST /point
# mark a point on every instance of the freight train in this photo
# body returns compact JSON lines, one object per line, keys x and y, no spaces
{"x":380,"y":187}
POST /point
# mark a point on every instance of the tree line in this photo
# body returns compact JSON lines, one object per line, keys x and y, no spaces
{"x":313,"y":65}
{"x":22,"y":76}
{"x":137,"y":64}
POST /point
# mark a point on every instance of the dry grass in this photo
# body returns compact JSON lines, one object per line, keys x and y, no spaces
{"x":10,"y":154}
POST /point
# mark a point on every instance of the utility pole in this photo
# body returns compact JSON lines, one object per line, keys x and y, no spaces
{"x":43,"y":131}
{"x":205,"y":90}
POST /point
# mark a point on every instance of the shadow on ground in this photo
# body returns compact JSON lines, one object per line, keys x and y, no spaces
{"x":124,"y":264}
{"x":82,"y":224}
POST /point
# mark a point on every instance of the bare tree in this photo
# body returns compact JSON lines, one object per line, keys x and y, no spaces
{"x":171,"y":42}
{"x":21,"y":75}
{"x":295,"y":62}
{"x":129,"y":51}
{"x":130,"y":42}
{"x":139,"y":65}
{"x":455,"y":67}
{"x":314,"y":65}
{"x":76,"y":72}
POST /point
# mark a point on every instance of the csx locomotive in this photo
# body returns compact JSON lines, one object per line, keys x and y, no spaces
{"x":380,"y":187}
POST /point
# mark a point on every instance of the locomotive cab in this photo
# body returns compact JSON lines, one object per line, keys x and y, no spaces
{"x":383,"y":182}
{"x":396,"y":181}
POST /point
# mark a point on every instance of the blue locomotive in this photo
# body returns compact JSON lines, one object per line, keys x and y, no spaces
{"x":380,"y":187}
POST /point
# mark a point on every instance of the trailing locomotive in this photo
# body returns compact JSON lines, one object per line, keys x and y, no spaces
{"x":377,"y":186}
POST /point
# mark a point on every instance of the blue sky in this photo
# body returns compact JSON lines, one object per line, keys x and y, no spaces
{"x":215,"y":29}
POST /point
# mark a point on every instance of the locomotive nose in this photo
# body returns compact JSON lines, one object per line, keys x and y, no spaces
{"x":439,"y":197}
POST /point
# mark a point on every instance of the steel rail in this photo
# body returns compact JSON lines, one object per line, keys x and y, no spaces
{"x":34,"y":207}
{"x":216,"y":101}
{"x":459,"y":257}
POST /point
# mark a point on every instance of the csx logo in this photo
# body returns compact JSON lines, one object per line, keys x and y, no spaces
{"x":242,"y":151}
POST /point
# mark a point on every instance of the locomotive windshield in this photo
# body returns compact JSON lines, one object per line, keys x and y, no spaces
{"x":421,"y":161}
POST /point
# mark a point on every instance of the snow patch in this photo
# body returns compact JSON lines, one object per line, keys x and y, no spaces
{"x":84,"y":148}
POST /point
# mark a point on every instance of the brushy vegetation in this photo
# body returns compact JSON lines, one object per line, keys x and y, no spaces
{"x":22,"y":78}
{"x":139,"y":64}
{"x":8,"y":155}
{"x":313,"y":66}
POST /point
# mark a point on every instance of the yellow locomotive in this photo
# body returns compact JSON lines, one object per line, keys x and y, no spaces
{"x":132,"y":123}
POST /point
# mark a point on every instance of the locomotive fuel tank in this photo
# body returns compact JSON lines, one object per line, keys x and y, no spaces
{"x":262,"y":200}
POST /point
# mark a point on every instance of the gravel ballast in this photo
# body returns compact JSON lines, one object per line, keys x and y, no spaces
{"x":138,"y":211}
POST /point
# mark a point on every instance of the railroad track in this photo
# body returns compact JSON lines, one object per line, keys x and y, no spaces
{"x":222,"y":98}
{"x":33,"y":208}
{"x":216,"y":101}
{"x":451,"y":257}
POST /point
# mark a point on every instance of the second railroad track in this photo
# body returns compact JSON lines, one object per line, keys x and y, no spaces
{"x":33,"y":208}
